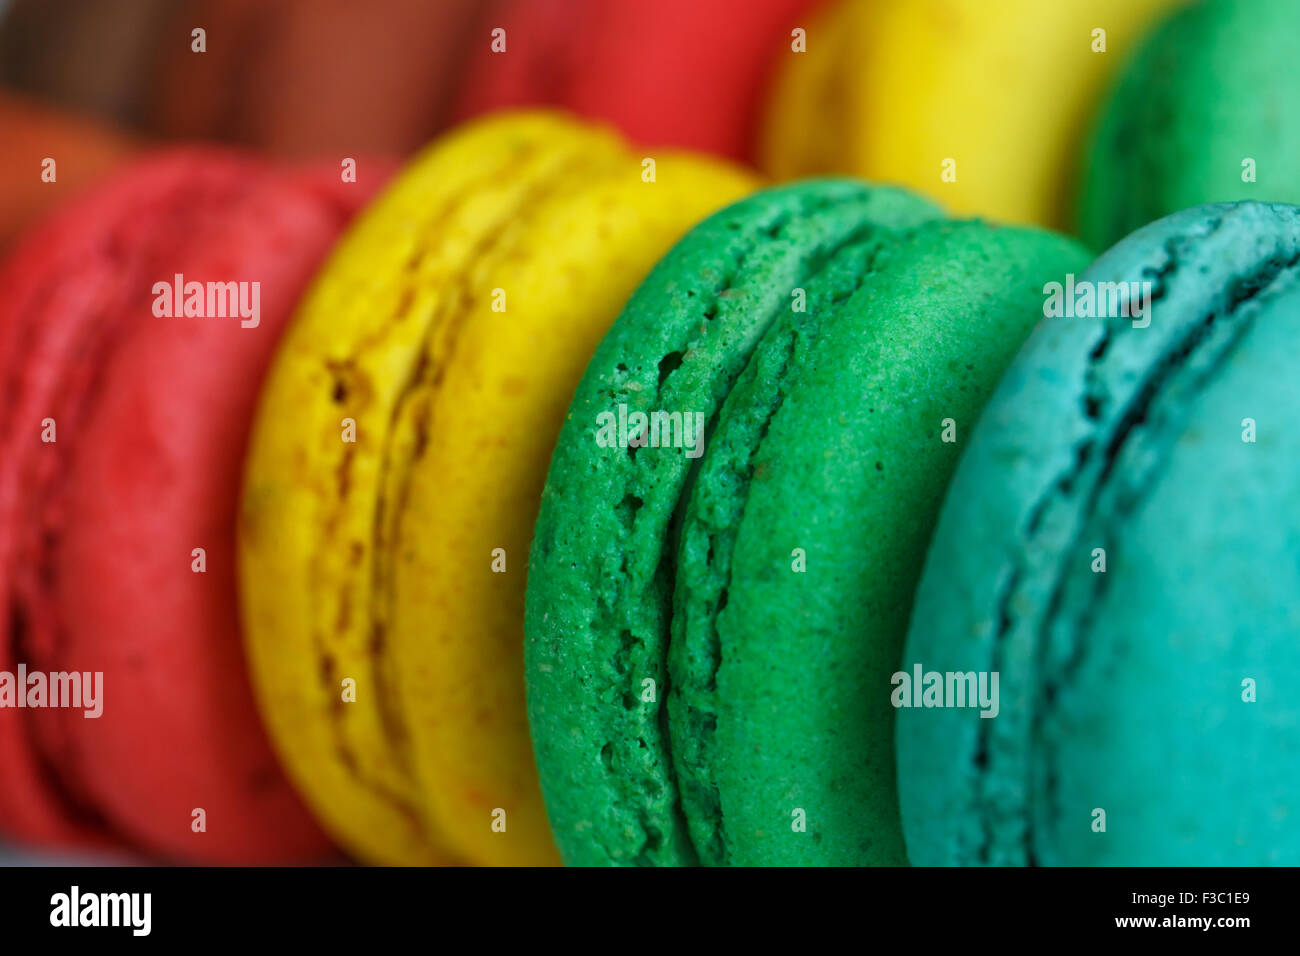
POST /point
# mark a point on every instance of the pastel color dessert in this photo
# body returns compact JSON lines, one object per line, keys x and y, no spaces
{"x":122,"y":437}
{"x":980,"y":106}
{"x":396,"y":465}
{"x":675,"y":72}
{"x":1203,"y":111}
{"x":1119,"y":544}
{"x":711,"y":623}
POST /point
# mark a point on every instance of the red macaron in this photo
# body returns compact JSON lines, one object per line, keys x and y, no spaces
{"x":670,"y":73}
{"x":121,"y":448}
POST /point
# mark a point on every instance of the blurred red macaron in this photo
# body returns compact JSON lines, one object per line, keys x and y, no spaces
{"x":669,"y":73}
{"x":121,"y":449}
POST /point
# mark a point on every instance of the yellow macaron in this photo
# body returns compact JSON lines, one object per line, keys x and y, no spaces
{"x":396,"y":466}
{"x":983,"y":106}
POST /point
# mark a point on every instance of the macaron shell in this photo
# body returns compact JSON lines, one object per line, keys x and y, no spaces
{"x":597,"y":608}
{"x":1213,"y":87}
{"x":1065,"y":459}
{"x":152,"y":413}
{"x":566,"y":267}
{"x":673,"y":73}
{"x":807,"y":527}
{"x":1004,"y":90}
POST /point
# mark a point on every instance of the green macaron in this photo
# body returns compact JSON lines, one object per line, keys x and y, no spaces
{"x":711,"y":626}
{"x":1204,"y":112}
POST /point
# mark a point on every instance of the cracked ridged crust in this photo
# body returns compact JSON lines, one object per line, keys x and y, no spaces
{"x":602,"y":565}
{"x":1090,"y":422}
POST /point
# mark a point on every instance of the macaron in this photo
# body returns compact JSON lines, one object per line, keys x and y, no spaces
{"x":1120,"y":546}
{"x":309,"y":78}
{"x":124,"y":428}
{"x":714,"y":606}
{"x":81,"y":150}
{"x":396,"y":465}
{"x":1203,"y":111}
{"x":675,"y":73}
{"x":980,"y":106}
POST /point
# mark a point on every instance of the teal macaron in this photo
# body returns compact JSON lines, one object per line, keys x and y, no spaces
{"x":1204,"y":112}
{"x":1120,"y":544}
{"x":710,"y":626}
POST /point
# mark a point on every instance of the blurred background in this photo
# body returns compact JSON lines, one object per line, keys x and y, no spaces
{"x":96,"y":80}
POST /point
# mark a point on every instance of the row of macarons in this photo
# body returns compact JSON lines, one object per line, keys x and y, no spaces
{"x":1092,"y":117}
{"x":389,"y":516}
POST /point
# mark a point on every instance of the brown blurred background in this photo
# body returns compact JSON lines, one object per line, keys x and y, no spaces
{"x":293,"y":77}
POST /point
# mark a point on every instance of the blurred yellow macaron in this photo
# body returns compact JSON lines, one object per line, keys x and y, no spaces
{"x":981,"y":105}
